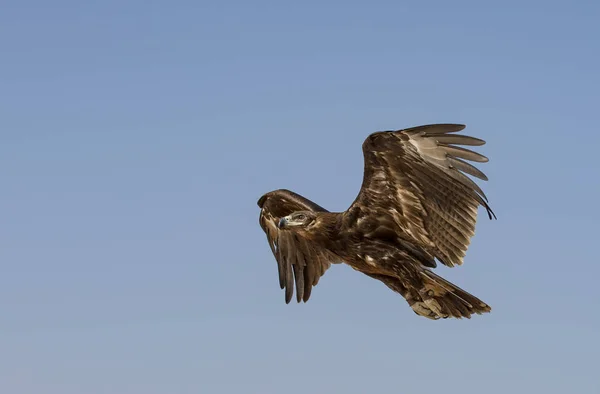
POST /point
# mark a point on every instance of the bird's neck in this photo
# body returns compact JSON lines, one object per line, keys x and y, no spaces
{"x":327,"y":230}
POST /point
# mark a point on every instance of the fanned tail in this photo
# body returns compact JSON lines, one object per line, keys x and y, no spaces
{"x":432,"y":296}
{"x":443,"y":299}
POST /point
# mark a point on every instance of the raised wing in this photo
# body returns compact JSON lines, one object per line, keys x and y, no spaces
{"x":298,"y":260}
{"x":417,"y":178}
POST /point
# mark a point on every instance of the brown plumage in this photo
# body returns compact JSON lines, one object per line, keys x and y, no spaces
{"x":415,"y":206}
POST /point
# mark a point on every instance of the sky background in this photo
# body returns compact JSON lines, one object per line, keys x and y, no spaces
{"x":136,"y":137}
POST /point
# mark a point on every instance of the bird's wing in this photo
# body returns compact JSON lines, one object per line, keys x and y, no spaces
{"x":298,"y":259}
{"x":416,"y":177}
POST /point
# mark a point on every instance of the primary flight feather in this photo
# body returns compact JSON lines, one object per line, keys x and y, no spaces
{"x":415,"y":206}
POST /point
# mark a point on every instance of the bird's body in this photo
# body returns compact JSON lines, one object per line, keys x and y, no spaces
{"x":414,"y":207}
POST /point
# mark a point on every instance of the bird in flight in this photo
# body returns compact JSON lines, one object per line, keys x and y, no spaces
{"x":416,"y":206}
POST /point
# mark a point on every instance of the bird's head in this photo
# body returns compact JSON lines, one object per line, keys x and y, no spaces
{"x":298,"y":220}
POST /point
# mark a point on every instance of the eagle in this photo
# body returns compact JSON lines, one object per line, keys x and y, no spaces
{"x":416,"y":207}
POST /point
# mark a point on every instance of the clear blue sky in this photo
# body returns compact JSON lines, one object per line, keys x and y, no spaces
{"x":136,"y":137}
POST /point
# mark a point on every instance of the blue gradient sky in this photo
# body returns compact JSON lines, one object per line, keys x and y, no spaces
{"x":136,"y":137}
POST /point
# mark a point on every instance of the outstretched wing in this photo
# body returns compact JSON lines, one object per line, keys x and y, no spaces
{"x":416,"y":177}
{"x":298,"y":259}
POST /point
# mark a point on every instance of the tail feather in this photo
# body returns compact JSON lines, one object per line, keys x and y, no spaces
{"x":434,"y":297}
{"x":446,"y":299}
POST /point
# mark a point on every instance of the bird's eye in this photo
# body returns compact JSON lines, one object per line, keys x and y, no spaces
{"x":300,"y":217}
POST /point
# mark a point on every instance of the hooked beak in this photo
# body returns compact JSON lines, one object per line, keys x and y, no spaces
{"x":282,"y":223}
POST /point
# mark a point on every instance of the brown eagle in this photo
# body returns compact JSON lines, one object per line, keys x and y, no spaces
{"x":415,"y":206}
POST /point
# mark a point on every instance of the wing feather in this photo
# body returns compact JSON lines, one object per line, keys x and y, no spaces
{"x":463,"y":153}
{"x":458,"y":139}
{"x":300,"y":263}
{"x":417,"y":177}
{"x":466,"y":167}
